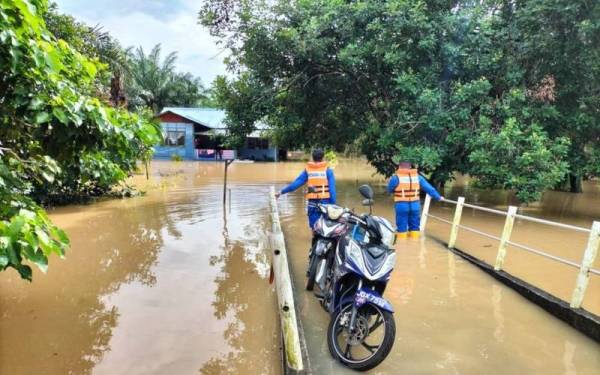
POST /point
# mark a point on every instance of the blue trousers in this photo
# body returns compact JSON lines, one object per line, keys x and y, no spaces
{"x":408,"y":216}
{"x":313,"y":212}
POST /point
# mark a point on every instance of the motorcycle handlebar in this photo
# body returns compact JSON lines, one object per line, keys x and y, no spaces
{"x":354,"y":216}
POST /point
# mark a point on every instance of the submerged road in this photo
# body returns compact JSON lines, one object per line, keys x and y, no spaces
{"x":451,"y":317}
{"x":176,"y":283}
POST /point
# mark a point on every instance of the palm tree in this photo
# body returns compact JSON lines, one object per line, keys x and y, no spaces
{"x":154,"y":83}
{"x":150,"y":78}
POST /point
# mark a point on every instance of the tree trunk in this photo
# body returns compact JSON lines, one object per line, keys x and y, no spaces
{"x":575,"y":184}
{"x":117,"y":93}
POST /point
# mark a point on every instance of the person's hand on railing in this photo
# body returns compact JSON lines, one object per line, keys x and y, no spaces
{"x":277,"y":195}
{"x":442,"y":199}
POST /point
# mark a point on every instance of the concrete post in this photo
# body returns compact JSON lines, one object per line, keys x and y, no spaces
{"x":457,"y":214}
{"x":285,"y":297}
{"x":591,"y":251}
{"x":425,"y":212}
{"x":508,"y":226}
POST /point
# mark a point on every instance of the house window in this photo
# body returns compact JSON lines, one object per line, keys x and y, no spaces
{"x":257,"y":143}
{"x":173,"y":135}
{"x":175,"y":138}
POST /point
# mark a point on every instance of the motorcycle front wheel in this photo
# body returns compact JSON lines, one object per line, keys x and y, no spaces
{"x":369,"y":343}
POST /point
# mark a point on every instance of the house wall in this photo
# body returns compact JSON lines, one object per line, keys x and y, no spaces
{"x":186,"y":151}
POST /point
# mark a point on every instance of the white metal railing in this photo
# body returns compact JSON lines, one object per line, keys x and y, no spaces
{"x":585,"y":267}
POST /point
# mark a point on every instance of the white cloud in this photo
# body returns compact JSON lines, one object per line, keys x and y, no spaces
{"x":145,"y":23}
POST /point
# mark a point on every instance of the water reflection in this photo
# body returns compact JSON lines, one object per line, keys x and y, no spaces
{"x":239,"y":296}
{"x":452,"y":274}
{"x":568,"y":359}
{"x":167,"y":283}
{"x":498,"y":315}
{"x":62,"y":315}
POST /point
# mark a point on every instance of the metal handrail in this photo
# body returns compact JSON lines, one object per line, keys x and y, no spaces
{"x":553,"y":223}
{"x":585,"y":266}
{"x":530,"y":249}
{"x":550,"y":256}
{"x":516,"y":244}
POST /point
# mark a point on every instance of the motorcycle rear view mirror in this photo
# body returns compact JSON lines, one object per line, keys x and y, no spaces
{"x":366,"y":191}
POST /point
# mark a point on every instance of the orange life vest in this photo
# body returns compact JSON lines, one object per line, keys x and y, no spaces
{"x":317,"y":178}
{"x":408,"y":185}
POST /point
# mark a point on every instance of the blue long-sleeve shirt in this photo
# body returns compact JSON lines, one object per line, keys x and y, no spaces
{"x":303,"y":178}
{"x":424,"y":184}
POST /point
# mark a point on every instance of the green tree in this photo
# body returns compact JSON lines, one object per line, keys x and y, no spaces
{"x":56,"y":140}
{"x":559,"y":49}
{"x":433,"y":81}
{"x":93,"y":43}
{"x":154,"y":83}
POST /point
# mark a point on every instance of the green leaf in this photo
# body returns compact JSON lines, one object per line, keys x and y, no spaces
{"x":60,"y":115}
{"x":42,"y":117}
{"x":3,"y":261}
{"x":47,"y":176}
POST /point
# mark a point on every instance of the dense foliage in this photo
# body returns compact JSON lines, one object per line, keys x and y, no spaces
{"x":57,"y":139}
{"x":506,"y":91}
{"x":132,"y":78}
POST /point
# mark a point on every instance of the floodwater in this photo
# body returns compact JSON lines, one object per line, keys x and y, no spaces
{"x":173,"y":282}
{"x":169,"y":283}
{"x":556,"y":278}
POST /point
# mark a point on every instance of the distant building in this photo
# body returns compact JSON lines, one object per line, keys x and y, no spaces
{"x":198,"y":133}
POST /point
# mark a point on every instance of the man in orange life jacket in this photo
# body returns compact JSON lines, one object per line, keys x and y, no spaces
{"x":318,"y":175}
{"x":406,"y":185}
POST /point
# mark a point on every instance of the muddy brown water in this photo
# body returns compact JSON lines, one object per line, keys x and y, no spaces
{"x":173,"y":282}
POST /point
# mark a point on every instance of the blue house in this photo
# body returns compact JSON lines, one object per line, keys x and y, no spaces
{"x":198,"y":133}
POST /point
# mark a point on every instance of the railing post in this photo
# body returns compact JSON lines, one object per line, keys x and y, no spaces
{"x":591,"y":251}
{"x":457,"y":213}
{"x":508,"y":226}
{"x":425,"y":212}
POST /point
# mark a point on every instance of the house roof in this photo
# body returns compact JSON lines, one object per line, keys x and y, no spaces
{"x":211,"y":118}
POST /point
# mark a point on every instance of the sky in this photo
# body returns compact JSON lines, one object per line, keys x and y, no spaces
{"x":172,"y":23}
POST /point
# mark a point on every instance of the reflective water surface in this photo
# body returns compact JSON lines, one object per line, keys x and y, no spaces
{"x":175,"y":283}
{"x":169,"y":283}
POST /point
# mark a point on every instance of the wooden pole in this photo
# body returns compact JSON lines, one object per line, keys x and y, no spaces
{"x":591,"y":251}
{"x":508,"y":226}
{"x":457,"y":214}
{"x":227,"y":162}
{"x":285,"y":297}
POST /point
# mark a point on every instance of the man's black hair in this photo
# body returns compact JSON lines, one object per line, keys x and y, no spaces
{"x":318,"y":155}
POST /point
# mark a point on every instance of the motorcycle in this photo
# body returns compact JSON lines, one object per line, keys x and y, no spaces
{"x":328,"y":228}
{"x":352,"y":280}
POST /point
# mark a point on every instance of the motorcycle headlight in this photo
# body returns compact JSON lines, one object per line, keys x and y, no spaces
{"x":387,"y":237}
{"x":387,"y":232}
{"x":354,"y":254}
{"x":334,"y":212}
